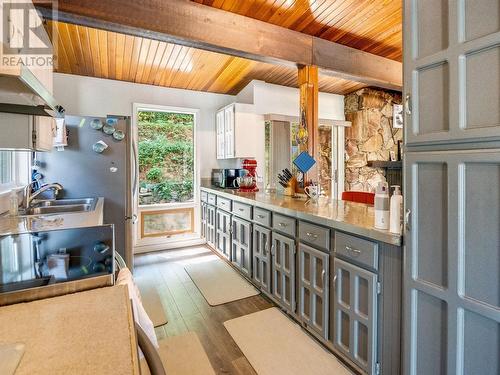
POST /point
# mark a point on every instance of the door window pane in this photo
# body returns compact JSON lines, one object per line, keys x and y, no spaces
{"x":166,"y":162}
{"x":167,"y":222}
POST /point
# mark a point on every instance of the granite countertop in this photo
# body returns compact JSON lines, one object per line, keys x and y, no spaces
{"x":89,"y":332}
{"x":356,"y":218}
{"x":26,"y":224}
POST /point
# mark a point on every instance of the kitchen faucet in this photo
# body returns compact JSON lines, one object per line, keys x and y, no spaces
{"x":28,"y":196}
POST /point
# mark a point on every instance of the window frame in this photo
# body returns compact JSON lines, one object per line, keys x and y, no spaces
{"x":20,"y":166}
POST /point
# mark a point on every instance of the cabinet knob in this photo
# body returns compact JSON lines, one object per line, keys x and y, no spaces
{"x":408,"y":104}
{"x":407,"y":220}
{"x":312,"y":235}
{"x":282,"y":224}
{"x":260,"y":216}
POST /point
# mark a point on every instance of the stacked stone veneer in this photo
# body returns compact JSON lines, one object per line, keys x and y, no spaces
{"x":370,"y":137}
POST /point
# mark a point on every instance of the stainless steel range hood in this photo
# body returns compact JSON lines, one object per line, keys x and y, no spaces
{"x":21,"y":92}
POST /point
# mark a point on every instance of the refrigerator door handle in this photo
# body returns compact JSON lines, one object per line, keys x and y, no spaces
{"x":134,"y":184}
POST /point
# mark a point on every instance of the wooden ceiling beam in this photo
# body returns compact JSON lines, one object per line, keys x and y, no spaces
{"x":190,"y":24}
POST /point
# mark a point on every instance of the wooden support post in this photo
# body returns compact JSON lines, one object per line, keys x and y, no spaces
{"x":308,"y":87}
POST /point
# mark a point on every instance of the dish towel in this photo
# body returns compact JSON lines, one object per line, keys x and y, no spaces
{"x":141,"y":317}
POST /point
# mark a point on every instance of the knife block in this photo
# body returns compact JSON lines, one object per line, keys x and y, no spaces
{"x":290,"y":189}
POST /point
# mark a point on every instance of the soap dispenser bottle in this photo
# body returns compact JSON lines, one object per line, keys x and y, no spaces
{"x":13,"y":203}
{"x":382,"y":206}
{"x":396,"y":205}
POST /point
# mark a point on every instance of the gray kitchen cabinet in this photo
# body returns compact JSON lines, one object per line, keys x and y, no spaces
{"x":261,"y":257}
{"x":355,"y":314}
{"x":210,"y":225}
{"x":203,"y":214}
{"x":241,"y":245}
{"x":452,"y":278}
{"x":451,"y":71}
{"x":283,"y":252}
{"x":223,"y":233}
{"x":452,"y":169}
{"x":313,"y":289}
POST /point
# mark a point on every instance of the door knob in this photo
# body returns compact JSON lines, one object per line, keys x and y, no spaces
{"x":408,"y":104}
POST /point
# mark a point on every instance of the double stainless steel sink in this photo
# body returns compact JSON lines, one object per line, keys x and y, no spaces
{"x":61,"y":206}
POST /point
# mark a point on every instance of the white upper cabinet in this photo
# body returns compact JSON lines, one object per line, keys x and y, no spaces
{"x":37,"y":57}
{"x":220,"y":134}
{"x":237,"y":128}
{"x":229,"y":131}
{"x":26,"y":132}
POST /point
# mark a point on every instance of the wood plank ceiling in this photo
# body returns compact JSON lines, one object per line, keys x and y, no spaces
{"x":373,"y":26}
{"x":97,"y":53}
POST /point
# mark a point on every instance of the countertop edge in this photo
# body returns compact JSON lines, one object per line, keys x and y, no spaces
{"x":14,"y":225}
{"x":372,"y":234}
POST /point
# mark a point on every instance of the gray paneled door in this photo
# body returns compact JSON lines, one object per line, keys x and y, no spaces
{"x":313,"y":288}
{"x":355,"y":314}
{"x":241,"y":245}
{"x":452,"y":275}
{"x":210,"y":223}
{"x":283,"y":270}
{"x":203,"y":220}
{"x":452,"y":70}
{"x":452,"y":240}
{"x":261,"y":257}
{"x":223,"y":233}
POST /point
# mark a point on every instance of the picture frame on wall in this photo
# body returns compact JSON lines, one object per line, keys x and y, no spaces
{"x":392,"y":153}
{"x":397,"y":117}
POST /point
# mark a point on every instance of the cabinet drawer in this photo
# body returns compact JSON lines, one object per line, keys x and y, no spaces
{"x":284,"y":224}
{"x":314,"y":235}
{"x":360,"y":251}
{"x":242,"y":210}
{"x":211,"y":198}
{"x":204,"y":196}
{"x":224,"y":203}
{"x":262,"y":217}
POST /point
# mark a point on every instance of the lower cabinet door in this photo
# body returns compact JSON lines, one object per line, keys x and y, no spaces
{"x":241,"y":245}
{"x":210,"y":225}
{"x":203,"y":228}
{"x":313,"y":289}
{"x":223,"y":233}
{"x":283,"y":271}
{"x":355,"y":314}
{"x":261,"y":257}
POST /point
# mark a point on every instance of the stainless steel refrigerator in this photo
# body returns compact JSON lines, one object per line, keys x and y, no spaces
{"x":111,"y":174}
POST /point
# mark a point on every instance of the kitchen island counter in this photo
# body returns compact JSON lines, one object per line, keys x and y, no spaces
{"x":89,"y":332}
{"x":352,"y":217}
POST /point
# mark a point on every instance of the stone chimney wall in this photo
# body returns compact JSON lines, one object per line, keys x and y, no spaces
{"x":371,"y":136}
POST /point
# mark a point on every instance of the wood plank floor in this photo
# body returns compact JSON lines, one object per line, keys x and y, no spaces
{"x":187,"y":309}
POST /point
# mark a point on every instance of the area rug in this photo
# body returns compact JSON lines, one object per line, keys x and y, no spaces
{"x":182,"y":355}
{"x":219,"y":283}
{"x":275,"y":345}
{"x":153,"y":306}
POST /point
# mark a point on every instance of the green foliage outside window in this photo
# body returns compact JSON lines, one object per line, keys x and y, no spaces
{"x":166,"y":154}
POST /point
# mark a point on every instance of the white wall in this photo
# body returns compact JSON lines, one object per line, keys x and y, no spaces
{"x":281,"y":100}
{"x":100,"y":97}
